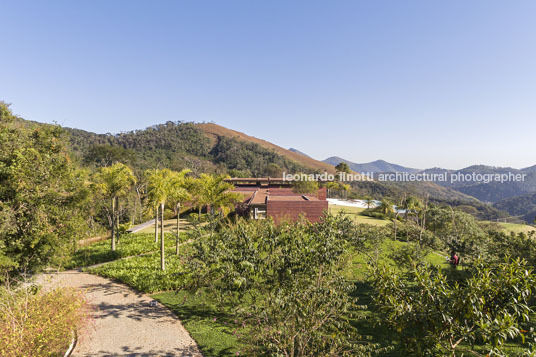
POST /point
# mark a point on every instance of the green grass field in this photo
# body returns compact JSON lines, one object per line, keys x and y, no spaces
{"x":513,"y":227}
{"x":170,"y":225}
{"x":355,"y":214}
{"x":517,"y":228}
{"x":128,"y":245}
{"x":213,"y":329}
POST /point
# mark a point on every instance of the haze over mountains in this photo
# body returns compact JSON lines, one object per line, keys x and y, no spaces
{"x":516,"y":198}
{"x":374,"y":166}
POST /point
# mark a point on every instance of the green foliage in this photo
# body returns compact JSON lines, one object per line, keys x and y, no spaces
{"x":179,"y":145}
{"x":106,"y":155}
{"x":410,"y":232}
{"x":43,"y":196}
{"x":214,"y":191}
{"x":36,"y":323}
{"x":172,"y":145}
{"x":386,"y":207}
{"x":305,"y":186}
{"x":144,"y":273}
{"x":409,"y":254}
{"x":249,"y":157}
{"x":519,"y":245}
{"x":158,"y":186}
{"x":434,"y":316}
{"x":343,"y":167}
{"x":459,"y":231}
{"x":292,"y":275}
{"x":130,"y":245}
{"x":113,"y":181}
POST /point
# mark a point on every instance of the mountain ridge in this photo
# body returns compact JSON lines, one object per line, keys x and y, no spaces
{"x":374,"y":166}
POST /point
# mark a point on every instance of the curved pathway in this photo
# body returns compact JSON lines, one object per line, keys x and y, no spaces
{"x":125,"y":322}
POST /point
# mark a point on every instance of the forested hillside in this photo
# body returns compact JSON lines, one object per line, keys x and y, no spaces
{"x":213,"y":148}
{"x":178,"y":145}
{"x":523,"y":206}
{"x":436,"y":194}
{"x":492,"y":191}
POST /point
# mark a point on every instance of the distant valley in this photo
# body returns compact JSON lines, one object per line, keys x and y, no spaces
{"x":516,"y":198}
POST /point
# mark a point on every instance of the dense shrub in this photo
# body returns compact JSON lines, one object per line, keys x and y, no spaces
{"x":36,"y":323}
{"x":410,"y":232}
{"x":43,"y":196}
{"x":435,"y":317}
{"x":293,"y":275}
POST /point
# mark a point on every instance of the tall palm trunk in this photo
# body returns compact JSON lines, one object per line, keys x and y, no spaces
{"x":162,"y":253}
{"x":113,"y":223}
{"x":156,"y":224}
{"x":117,"y":218}
{"x":178,"y":229}
{"x":395,"y":221}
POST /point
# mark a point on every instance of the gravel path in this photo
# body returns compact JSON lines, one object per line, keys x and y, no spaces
{"x":125,"y":323}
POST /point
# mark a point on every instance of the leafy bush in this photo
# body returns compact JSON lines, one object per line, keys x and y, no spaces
{"x":373,"y":214}
{"x":292,"y":277}
{"x":458,"y":231}
{"x":40,"y":323}
{"x":410,"y":232}
{"x":43,"y":196}
{"x":434,"y":316}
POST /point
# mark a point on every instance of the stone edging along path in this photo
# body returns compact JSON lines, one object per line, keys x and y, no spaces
{"x":125,"y":322}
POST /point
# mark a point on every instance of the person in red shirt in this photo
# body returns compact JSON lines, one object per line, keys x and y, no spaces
{"x":454,"y":259}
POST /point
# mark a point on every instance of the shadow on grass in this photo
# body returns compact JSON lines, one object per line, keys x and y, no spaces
{"x":82,"y":258}
{"x":369,"y":324}
{"x":212,"y":328}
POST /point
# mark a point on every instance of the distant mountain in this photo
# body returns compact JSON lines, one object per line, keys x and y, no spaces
{"x":374,"y":166}
{"x":493,"y":191}
{"x":215,"y":132}
{"x":299,"y":152}
{"x":522,"y":206}
{"x":529,"y":169}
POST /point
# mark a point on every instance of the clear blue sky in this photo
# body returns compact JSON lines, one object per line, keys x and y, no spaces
{"x":419,"y":83}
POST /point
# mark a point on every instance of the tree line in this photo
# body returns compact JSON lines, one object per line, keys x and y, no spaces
{"x":49,"y":201}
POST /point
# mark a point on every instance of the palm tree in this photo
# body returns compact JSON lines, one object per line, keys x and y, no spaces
{"x":412,"y":205}
{"x":345,"y":188}
{"x":331,"y":186}
{"x":194,"y":188}
{"x":215,"y":191}
{"x":153,"y":201}
{"x":395,"y":221}
{"x":177,"y":194}
{"x":158,"y":182}
{"x":369,"y":201}
{"x":386,"y":207}
{"x":112,"y":182}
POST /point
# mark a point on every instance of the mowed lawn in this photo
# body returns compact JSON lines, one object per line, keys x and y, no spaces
{"x":517,"y":228}
{"x":170,"y":225}
{"x":514,"y":227}
{"x":355,"y":214}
